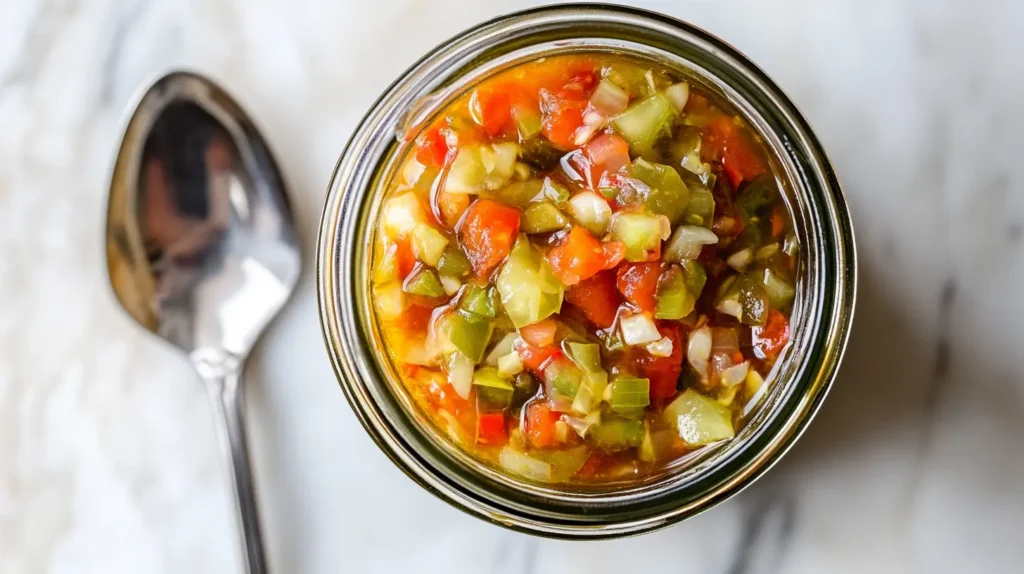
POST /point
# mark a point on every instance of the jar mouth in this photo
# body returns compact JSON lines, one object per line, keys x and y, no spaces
{"x":823,"y":311}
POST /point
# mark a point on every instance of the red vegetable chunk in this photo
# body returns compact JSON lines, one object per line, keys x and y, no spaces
{"x":487,"y":232}
{"x":597,"y":298}
{"x":638,"y":283}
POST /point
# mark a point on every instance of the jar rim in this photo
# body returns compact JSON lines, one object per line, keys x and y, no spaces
{"x":344,"y":307}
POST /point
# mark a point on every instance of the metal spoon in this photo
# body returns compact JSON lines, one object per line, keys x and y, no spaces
{"x":201,"y":247}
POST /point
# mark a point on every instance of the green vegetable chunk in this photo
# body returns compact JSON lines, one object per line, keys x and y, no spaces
{"x":520,"y":193}
{"x":529,"y":291}
{"x":640,"y":232}
{"x":480,"y":168}
{"x":701,"y":209}
{"x":695,"y":276}
{"x":700,"y":420}
{"x":494,"y":393}
{"x":667,"y":194}
{"x":543,"y":217}
{"x":469,"y":333}
{"x":629,"y":395}
{"x":745,"y":299}
{"x":423,"y":281}
{"x":674,"y":300}
{"x":587,"y":356}
{"x":453,"y":262}
{"x":479,"y":301}
{"x":617,"y":434}
{"x":780,"y":292}
{"x":641,"y":124}
{"x":564,"y":377}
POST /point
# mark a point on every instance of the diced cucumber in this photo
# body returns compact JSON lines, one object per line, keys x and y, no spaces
{"x":629,"y":394}
{"x":423,"y":281}
{"x":640,"y":232}
{"x":479,"y":301}
{"x":529,"y":291}
{"x":687,"y":241}
{"x":523,"y":465}
{"x":674,"y":300}
{"x":617,"y":433}
{"x":564,"y":462}
{"x":519,"y":193}
{"x":564,"y":377}
{"x":469,"y":333}
{"x":543,"y":217}
{"x":700,"y":420}
{"x":668,"y":195}
{"x":701,"y":209}
{"x":780,"y":292}
{"x":494,"y":392}
{"x":453,"y":262}
{"x":591,"y":211}
{"x":428,"y":244}
{"x":554,"y":191}
{"x":641,"y":124}
{"x":587,"y":356}
{"x":745,"y":299}
{"x":478,"y":168}
{"x":527,"y":119}
{"x":677,"y":95}
{"x":695,"y":276}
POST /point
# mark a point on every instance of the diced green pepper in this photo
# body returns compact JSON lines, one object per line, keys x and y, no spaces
{"x":587,"y":356}
{"x":529,"y":291}
{"x":668,"y":195}
{"x":494,"y":392}
{"x":641,"y":124}
{"x":674,"y":300}
{"x":423,"y":281}
{"x":564,"y":377}
{"x":758,"y":196}
{"x":629,"y":394}
{"x":701,"y":209}
{"x":483,"y":167}
{"x":631,"y":78}
{"x":640,"y":232}
{"x":543,"y":217}
{"x":470,"y":334}
{"x":554,"y":191}
{"x":519,"y":194}
{"x":564,"y":462}
{"x":428,"y":244}
{"x":453,"y":262}
{"x":479,"y":301}
{"x":700,"y":420}
{"x":745,"y":299}
{"x":695,"y":277}
{"x":539,"y":154}
{"x":780,"y":292}
{"x":527,"y":119}
{"x":609,"y":192}
{"x":617,"y":433}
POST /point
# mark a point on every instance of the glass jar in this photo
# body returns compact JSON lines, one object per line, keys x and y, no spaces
{"x":823,"y":309}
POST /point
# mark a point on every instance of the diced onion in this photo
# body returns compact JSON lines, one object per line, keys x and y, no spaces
{"x":510,"y":365}
{"x":460,"y":374}
{"x":561,"y":431}
{"x":390,"y":300}
{"x":609,"y":98}
{"x":401,"y":214}
{"x":503,"y":348}
{"x":660,"y":348}
{"x":451,"y":285}
{"x":523,"y":465}
{"x":753,"y":382}
{"x":687,"y":241}
{"x":730,"y":307}
{"x":698,"y":350}
{"x":591,"y":211}
{"x":639,"y":329}
{"x":580,"y":425}
{"x":677,"y":95}
{"x":735,"y":374}
{"x":592,"y":123}
{"x":740,"y":259}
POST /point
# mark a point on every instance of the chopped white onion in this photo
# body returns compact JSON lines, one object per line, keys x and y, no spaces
{"x":591,"y":211}
{"x":740,"y":259}
{"x":639,"y":329}
{"x":460,"y":374}
{"x":523,"y":465}
{"x":503,"y":348}
{"x":609,"y":98}
{"x":735,"y":374}
{"x":698,"y":350}
{"x":677,"y":95}
{"x":730,"y":307}
{"x":510,"y":365}
{"x":390,"y":300}
{"x":593,"y":122}
{"x":660,"y":348}
{"x":451,"y":285}
{"x":687,"y":241}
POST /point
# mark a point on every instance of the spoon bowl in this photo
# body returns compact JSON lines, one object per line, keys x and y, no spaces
{"x":201,"y":246}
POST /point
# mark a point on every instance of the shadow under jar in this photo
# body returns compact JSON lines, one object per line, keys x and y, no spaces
{"x":825,"y":278}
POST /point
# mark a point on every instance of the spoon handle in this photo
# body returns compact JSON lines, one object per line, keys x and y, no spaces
{"x":222,"y":382}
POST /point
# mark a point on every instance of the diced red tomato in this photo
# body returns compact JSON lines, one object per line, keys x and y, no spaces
{"x":560,"y":118}
{"x":536,"y":358}
{"x":638,"y":283}
{"x":739,"y":161}
{"x":487,"y":232}
{"x":607,"y":153}
{"x":662,"y":372}
{"x":597,"y":298}
{"x":540,"y":424}
{"x":443,"y":396}
{"x":778,"y":221}
{"x":580,"y":255}
{"x":769,"y":340}
{"x":415,"y":319}
{"x":491,"y":429}
{"x":432,"y":147}
{"x":492,"y":108}
{"x":540,"y":334}
{"x":405,"y":259}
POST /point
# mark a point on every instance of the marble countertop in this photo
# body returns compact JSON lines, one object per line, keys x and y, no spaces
{"x":108,"y":458}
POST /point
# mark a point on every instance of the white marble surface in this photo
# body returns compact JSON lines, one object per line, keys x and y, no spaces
{"x":108,"y":462}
